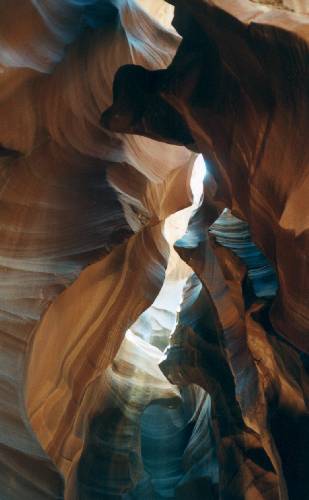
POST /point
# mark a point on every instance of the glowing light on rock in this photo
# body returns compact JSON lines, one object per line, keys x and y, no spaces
{"x":198,"y":174}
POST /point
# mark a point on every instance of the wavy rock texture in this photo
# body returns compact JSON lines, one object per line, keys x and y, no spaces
{"x":60,"y":215}
{"x":231,"y":94}
{"x":232,"y":87}
{"x":92,"y":290}
{"x":258,"y":384}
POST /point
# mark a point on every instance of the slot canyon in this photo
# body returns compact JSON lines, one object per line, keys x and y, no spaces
{"x":154,"y":249}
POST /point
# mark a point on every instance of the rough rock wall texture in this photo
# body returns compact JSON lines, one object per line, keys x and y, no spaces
{"x":85,"y":412}
{"x":300,"y":6}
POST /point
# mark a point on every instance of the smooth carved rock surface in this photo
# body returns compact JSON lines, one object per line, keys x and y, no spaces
{"x":92,"y":290}
{"x":232,"y":351}
{"x":60,"y":215}
{"x":235,"y":91}
{"x":238,"y":86}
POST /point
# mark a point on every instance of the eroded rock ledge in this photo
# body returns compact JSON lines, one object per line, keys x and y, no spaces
{"x":104,"y":107}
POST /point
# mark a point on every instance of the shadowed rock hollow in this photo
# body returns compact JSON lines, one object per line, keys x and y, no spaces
{"x":154,"y":319}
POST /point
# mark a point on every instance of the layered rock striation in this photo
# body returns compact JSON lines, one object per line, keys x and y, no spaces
{"x":104,"y":108}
